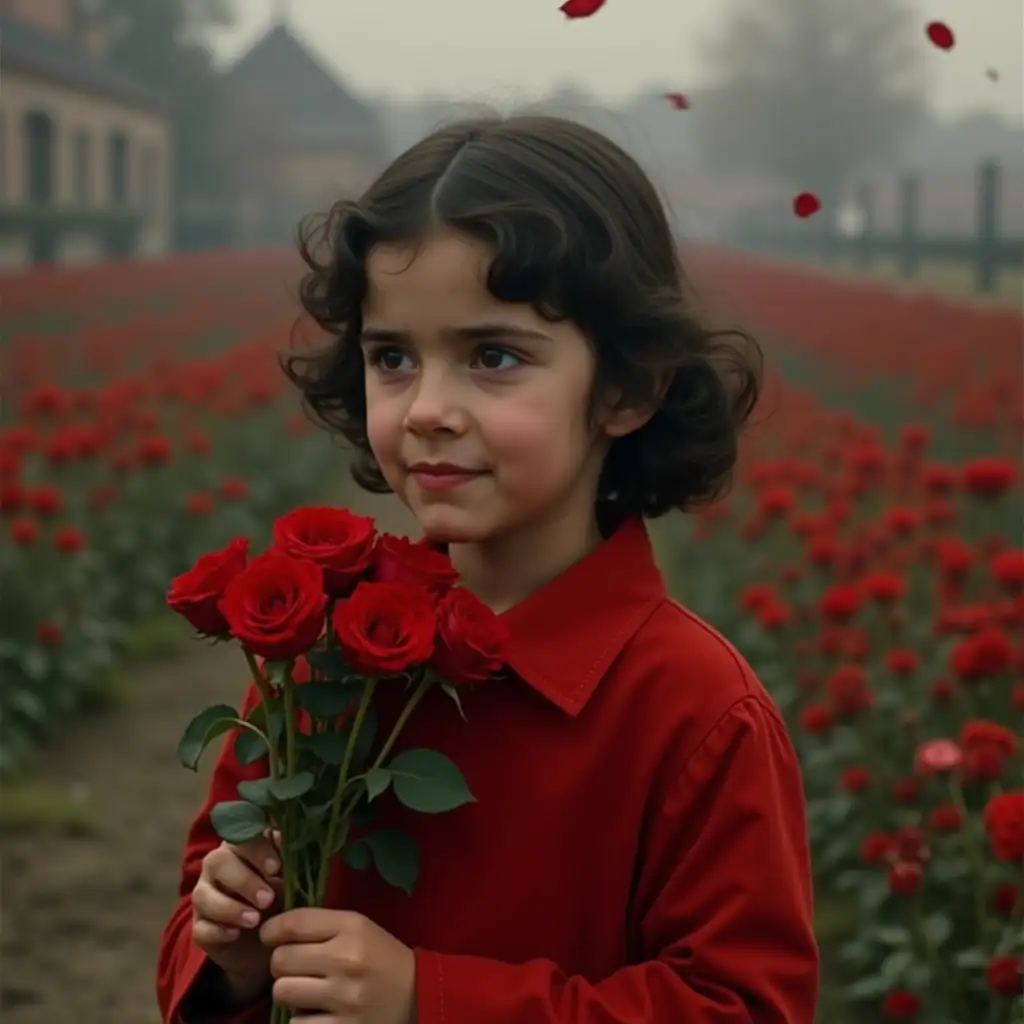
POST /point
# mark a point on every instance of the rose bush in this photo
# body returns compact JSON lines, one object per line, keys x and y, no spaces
{"x":143,"y":420}
{"x":870,"y":567}
{"x":328,"y":650}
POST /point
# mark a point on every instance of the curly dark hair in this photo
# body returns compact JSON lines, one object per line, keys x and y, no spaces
{"x":578,"y":231}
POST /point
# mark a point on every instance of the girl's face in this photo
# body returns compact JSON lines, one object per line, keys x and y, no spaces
{"x":476,"y":408}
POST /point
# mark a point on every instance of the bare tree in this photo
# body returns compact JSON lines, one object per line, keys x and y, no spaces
{"x":807,"y":91}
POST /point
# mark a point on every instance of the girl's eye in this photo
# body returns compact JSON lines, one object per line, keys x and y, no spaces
{"x":490,"y":357}
{"x":388,"y":358}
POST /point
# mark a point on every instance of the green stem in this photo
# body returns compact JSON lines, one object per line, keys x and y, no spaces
{"x":974,"y":856}
{"x":335,"y":814}
{"x":266,"y":697}
{"x":942,"y":978}
{"x":344,"y":810}
{"x":403,"y":718}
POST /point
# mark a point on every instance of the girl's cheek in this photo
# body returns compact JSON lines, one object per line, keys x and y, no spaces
{"x":383,"y":432}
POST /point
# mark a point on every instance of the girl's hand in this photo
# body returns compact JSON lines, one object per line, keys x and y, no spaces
{"x":238,"y":888}
{"x":341,"y":966}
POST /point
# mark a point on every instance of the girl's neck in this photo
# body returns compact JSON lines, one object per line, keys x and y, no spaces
{"x":504,"y":571}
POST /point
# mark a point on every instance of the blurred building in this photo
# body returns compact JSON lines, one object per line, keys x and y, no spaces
{"x":85,"y":150}
{"x":298,"y":137}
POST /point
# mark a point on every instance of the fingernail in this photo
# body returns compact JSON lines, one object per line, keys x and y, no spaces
{"x":250,"y":918}
{"x":271,"y":866}
{"x":264,"y":897}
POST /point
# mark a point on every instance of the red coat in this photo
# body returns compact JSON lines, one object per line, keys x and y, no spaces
{"x":637,"y":853}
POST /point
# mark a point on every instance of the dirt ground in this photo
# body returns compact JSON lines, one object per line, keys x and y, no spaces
{"x":81,"y":915}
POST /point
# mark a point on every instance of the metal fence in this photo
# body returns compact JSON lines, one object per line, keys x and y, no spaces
{"x":985,"y":250}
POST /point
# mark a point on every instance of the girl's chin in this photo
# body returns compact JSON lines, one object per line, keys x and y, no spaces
{"x":444,"y":527}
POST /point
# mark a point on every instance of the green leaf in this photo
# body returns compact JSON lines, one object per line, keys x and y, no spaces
{"x":249,"y":747}
{"x":872,"y":987}
{"x":293,"y":786}
{"x":918,"y":977}
{"x":971,"y":959}
{"x":427,"y":781}
{"x":238,"y":821}
{"x":377,"y":781}
{"x":278,"y":673}
{"x":938,"y":928}
{"x":256,"y":791}
{"x":328,"y":747}
{"x":331,"y":663}
{"x":895,"y":964}
{"x":202,"y":730}
{"x":453,"y":692}
{"x":395,"y":857}
{"x":366,"y":738}
{"x":357,"y":855}
{"x":325,"y":698}
{"x":893,"y":935}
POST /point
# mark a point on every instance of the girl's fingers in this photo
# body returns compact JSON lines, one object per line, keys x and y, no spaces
{"x":262,"y":855}
{"x":209,"y":933}
{"x":218,"y":907}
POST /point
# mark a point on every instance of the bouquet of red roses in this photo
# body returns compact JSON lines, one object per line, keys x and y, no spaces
{"x":327,"y":617}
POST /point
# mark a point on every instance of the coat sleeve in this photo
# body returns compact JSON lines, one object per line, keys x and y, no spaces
{"x":182,"y":967}
{"x":724,"y":903}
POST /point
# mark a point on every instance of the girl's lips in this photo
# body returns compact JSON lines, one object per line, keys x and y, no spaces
{"x":432,"y":480}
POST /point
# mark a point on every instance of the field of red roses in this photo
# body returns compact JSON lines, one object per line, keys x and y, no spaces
{"x":869,"y":563}
{"x":142,"y":422}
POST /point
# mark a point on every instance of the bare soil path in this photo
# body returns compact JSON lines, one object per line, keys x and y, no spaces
{"x":81,"y":915}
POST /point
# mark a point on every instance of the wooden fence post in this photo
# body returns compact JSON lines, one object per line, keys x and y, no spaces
{"x":866,"y":243}
{"x":986,"y":269}
{"x":910,"y":214}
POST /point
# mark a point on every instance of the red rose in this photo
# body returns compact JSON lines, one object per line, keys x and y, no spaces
{"x":470,"y":639}
{"x":901,"y":1005}
{"x":338,"y":541}
{"x":275,"y":606}
{"x":385,"y":628}
{"x":938,"y":757}
{"x":1005,"y":975}
{"x":1004,"y":823}
{"x":400,"y":560}
{"x":196,"y":594}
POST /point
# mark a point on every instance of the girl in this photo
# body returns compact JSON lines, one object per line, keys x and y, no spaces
{"x":512,"y":357}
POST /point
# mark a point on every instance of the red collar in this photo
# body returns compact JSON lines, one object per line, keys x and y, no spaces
{"x":564,"y":637}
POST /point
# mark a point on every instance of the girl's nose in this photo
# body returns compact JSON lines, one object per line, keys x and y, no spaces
{"x":435,"y":406}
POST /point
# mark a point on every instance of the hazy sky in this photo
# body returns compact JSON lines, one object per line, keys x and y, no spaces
{"x":509,"y":51}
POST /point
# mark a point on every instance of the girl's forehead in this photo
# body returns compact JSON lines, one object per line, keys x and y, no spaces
{"x":442,"y":254}
{"x":438,"y":272}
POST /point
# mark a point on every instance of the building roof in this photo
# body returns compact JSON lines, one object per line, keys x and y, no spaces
{"x":315,"y":108}
{"x":31,"y":50}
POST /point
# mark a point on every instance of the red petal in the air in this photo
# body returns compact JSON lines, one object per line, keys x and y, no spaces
{"x":940,"y":34}
{"x":581,"y":8}
{"x":677,"y":100}
{"x":806,"y":204}
{"x":992,"y":75}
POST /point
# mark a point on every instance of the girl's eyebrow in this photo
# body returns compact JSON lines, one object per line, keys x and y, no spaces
{"x":474,"y":332}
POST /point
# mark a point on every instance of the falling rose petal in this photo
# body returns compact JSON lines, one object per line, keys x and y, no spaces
{"x":581,"y":8}
{"x":806,"y":204}
{"x":992,"y":75}
{"x":677,"y":100}
{"x":941,"y":35}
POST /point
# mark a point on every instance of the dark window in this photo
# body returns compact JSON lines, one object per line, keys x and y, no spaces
{"x":118,"y":168}
{"x":39,"y":157}
{"x":82,"y":170}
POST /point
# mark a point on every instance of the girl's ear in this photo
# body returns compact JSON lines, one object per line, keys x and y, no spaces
{"x":619,"y":418}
